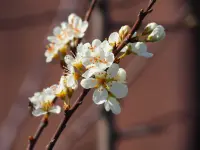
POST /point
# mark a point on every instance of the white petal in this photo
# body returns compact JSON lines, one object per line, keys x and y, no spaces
{"x":64,"y":25}
{"x":114,"y":38}
{"x":77,"y":22}
{"x":71,"y":18}
{"x":84,"y":26}
{"x":114,"y":105}
{"x":57,"y":30}
{"x":88,"y":83}
{"x":109,"y":58}
{"x":107,"y":106}
{"x":91,"y":72}
{"x":146,"y":54}
{"x":106,"y":46}
{"x":100,"y":95}
{"x":141,"y":46}
{"x":68,"y":59}
{"x":52,"y":39}
{"x":101,"y":74}
{"x":70,"y":80}
{"x":70,"y":68}
{"x":112,"y":70}
{"x":119,"y":90}
{"x":121,"y":75}
{"x":96,"y":43}
{"x":38,"y":112}
{"x":55,"y":109}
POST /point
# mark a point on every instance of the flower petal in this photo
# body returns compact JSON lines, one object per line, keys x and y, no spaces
{"x":57,"y":30}
{"x":84,"y":26}
{"x":146,"y":54}
{"x":112,"y":70}
{"x":100,"y":95}
{"x":119,"y":90}
{"x":107,"y":106}
{"x":64,"y":25}
{"x":71,"y":18}
{"x":70,"y":80}
{"x":96,"y":43}
{"x":88,"y":83}
{"x":121,"y":75}
{"x":68,"y":59}
{"x":141,"y":47}
{"x":114,"y":105}
{"x":106,"y":46}
{"x":114,"y":38}
{"x":55,"y":109}
{"x":38,"y":112}
{"x":91,"y":72}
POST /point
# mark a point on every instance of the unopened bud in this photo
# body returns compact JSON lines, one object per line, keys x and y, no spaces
{"x":149,"y":28}
{"x":124,"y":30}
{"x":157,"y":34}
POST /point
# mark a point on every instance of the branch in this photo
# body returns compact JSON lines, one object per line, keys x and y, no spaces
{"x":136,"y":25}
{"x":89,"y":12}
{"x":42,"y":126}
{"x":68,"y":114}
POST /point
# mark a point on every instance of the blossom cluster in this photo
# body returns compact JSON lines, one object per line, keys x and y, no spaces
{"x":92,"y":65}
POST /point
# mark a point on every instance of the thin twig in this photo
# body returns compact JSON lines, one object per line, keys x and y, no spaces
{"x":42,"y":126}
{"x":68,"y":114}
{"x":136,"y":25}
{"x":89,"y":12}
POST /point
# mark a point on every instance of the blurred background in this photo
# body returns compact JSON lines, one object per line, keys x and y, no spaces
{"x":160,"y":111}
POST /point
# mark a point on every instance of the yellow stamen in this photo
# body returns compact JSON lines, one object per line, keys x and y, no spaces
{"x":46,"y":105}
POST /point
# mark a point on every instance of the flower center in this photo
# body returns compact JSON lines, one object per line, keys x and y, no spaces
{"x":46,"y":105}
{"x":61,"y":94}
{"x":98,"y":60}
{"x":76,"y":76}
{"x":92,"y":48}
{"x":78,"y":65}
{"x":50,"y":47}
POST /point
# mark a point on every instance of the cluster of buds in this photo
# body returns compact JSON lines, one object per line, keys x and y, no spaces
{"x":91,"y":65}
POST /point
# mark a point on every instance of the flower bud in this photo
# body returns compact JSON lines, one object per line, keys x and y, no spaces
{"x":149,"y":28}
{"x":157,"y":34}
{"x":124,"y":30}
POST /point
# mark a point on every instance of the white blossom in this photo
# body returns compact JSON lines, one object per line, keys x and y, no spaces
{"x":77,"y":25}
{"x":43,"y":103}
{"x":97,"y":55}
{"x":75,"y":61}
{"x":72,"y":77}
{"x":110,"y":83}
{"x":61,"y":35}
{"x":51,"y":52}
